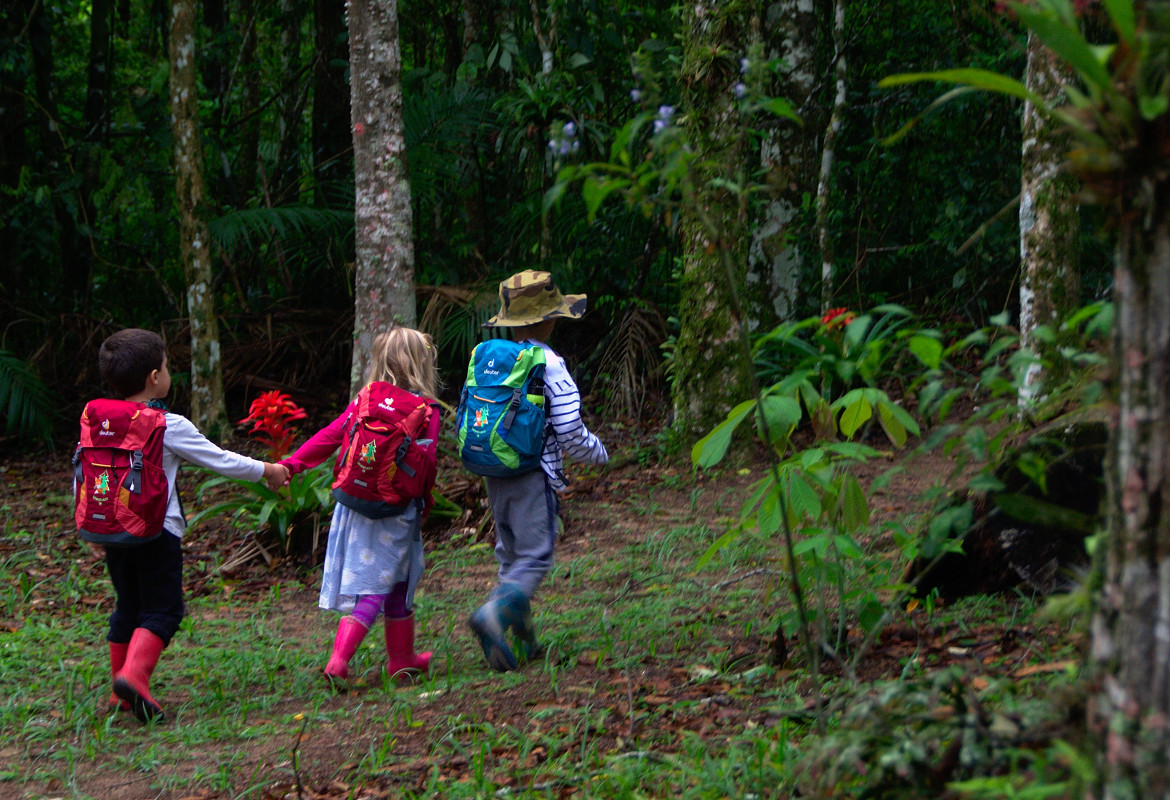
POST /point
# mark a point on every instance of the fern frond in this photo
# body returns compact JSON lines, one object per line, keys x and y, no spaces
{"x":25,"y":401}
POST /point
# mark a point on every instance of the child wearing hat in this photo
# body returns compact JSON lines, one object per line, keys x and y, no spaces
{"x":526,"y":507}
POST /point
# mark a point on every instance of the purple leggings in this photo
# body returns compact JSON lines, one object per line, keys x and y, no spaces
{"x":369,"y":606}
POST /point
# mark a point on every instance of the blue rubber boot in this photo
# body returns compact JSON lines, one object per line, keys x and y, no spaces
{"x":527,"y":646}
{"x":491,"y":621}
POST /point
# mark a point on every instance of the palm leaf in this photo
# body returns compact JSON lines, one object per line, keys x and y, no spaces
{"x":25,"y":401}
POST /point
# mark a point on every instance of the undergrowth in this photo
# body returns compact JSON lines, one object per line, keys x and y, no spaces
{"x":659,"y":679}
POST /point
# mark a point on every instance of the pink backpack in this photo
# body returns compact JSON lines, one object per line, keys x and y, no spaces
{"x":384,"y":464}
{"x":120,"y":492}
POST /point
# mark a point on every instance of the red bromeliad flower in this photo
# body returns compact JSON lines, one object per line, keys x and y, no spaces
{"x":271,"y":415}
{"x":837,"y":317}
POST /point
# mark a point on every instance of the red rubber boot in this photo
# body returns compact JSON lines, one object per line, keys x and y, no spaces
{"x":132,"y":683}
{"x":350,"y":633}
{"x":117,"y":659}
{"x":402,"y":661}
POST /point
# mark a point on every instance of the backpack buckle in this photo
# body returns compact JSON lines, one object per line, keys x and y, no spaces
{"x":133,"y":482}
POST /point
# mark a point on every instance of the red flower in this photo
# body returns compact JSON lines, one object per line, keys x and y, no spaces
{"x":271,"y":414}
{"x":835,"y":317}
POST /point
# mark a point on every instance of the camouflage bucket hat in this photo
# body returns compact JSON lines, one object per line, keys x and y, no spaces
{"x":530,"y":297}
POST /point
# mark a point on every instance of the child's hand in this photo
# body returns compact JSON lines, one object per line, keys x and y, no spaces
{"x":275,"y":475}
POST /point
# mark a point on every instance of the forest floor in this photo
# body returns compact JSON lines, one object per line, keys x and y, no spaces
{"x":659,"y":678}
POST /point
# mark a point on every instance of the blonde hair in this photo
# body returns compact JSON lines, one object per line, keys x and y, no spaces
{"x":406,"y":358}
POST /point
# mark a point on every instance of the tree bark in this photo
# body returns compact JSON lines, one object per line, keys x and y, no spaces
{"x":208,"y":411}
{"x":1131,"y":626}
{"x":789,"y":160}
{"x":828,"y":157}
{"x":384,"y":249}
{"x":1049,"y":214}
{"x":710,"y":375}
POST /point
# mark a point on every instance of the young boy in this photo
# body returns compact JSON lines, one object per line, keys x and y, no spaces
{"x":526,"y":507}
{"x":147,"y":578}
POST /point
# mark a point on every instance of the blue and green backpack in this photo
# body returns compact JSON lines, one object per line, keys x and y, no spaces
{"x":501,"y":416}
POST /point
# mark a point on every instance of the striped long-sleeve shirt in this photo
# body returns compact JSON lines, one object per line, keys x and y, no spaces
{"x":566,"y":432}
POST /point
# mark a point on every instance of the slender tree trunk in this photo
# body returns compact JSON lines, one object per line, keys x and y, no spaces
{"x":788,"y":157}
{"x":1049,"y":213}
{"x":546,"y":41}
{"x":384,"y":248}
{"x":207,"y":405}
{"x":828,"y":156}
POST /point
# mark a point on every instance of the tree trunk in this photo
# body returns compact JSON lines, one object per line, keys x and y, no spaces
{"x":1049,"y":214}
{"x":207,"y":405}
{"x":1131,"y":626}
{"x":788,"y":156}
{"x":828,"y":156}
{"x":383,"y":247}
{"x":710,"y":374}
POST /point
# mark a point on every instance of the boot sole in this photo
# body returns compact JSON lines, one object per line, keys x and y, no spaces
{"x":499,"y":656}
{"x":143,"y":707}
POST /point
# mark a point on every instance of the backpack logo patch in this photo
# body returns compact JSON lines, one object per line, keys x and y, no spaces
{"x":105,"y":431}
{"x":368,"y":455}
{"x":101,"y":487}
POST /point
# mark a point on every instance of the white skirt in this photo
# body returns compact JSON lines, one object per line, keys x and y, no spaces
{"x":370,"y":556}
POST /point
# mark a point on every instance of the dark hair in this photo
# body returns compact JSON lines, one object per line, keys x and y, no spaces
{"x":127,"y":358}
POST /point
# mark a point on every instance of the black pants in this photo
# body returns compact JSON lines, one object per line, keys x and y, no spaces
{"x":148,"y":580}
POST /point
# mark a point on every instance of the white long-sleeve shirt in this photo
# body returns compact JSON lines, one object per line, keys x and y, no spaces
{"x":184,"y":442}
{"x":566,"y":432}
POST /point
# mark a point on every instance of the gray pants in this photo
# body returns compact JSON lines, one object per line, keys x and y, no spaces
{"x":525,"y":510}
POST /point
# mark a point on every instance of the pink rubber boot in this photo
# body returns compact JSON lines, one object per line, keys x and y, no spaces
{"x":117,"y":660}
{"x":132,"y":683}
{"x":350,"y":633}
{"x":402,"y":661}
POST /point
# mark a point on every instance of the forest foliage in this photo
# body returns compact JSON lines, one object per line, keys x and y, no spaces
{"x":87,"y":217}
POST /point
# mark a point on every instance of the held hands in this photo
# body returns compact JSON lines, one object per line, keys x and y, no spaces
{"x":275,"y":475}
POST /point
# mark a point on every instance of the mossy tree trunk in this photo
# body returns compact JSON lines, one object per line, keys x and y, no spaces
{"x":208,"y":411}
{"x":710,"y":374}
{"x":1131,"y":626}
{"x":384,"y":249}
{"x":1049,"y":213}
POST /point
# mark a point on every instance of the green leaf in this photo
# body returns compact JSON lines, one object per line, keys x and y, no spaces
{"x":846,"y":546}
{"x":782,"y":415}
{"x":816,"y":544}
{"x":926,"y":349}
{"x":854,"y":416}
{"x":716,"y":546}
{"x":982,"y":79}
{"x":854,"y":505}
{"x":1121,"y":12}
{"x":1067,"y":43}
{"x":895,"y":430}
{"x":769,"y":520}
{"x":781,"y":108}
{"x":710,"y":450}
{"x":803,"y":500}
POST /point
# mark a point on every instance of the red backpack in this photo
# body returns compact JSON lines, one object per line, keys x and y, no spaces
{"x":383,"y":465}
{"x":120,"y":490}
